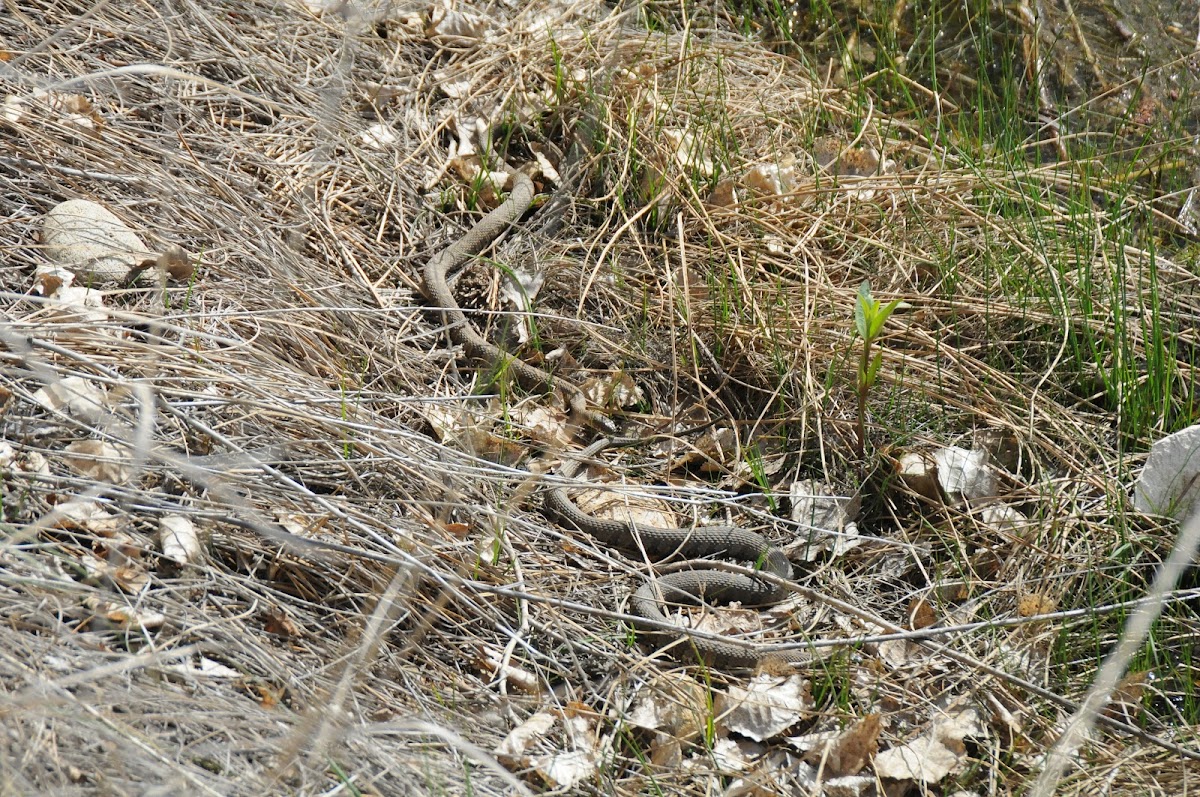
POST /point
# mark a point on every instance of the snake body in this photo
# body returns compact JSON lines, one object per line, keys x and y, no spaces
{"x":688,"y":587}
{"x":462,"y":332}
{"x":691,"y":587}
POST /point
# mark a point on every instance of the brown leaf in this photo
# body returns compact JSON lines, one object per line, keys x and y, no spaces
{"x":921,"y":614}
{"x":851,"y":750}
{"x":280,"y":624}
{"x":1125,"y":703}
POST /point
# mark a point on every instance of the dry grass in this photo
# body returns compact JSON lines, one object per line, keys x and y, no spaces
{"x":359,"y":572}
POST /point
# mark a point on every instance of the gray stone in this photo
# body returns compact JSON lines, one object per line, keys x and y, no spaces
{"x":1170,"y":481}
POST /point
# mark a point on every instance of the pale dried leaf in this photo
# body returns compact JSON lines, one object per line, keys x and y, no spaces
{"x":895,"y":653}
{"x":617,"y":390}
{"x":931,"y":757}
{"x":674,"y":703}
{"x":73,"y":110}
{"x":850,"y":786}
{"x":546,"y":167}
{"x":460,"y":26}
{"x":575,"y":755}
{"x":771,"y":179}
{"x":85,"y":516}
{"x":521,"y":287}
{"x":1005,"y":519}
{"x":518,"y":740}
{"x":734,"y":755}
{"x":690,"y":152}
{"x":547,"y":425}
{"x":825,"y":520}
{"x":76,"y":396}
{"x":127,"y":574}
{"x":924,"y":760}
{"x":292,"y":523}
{"x":126,"y":617}
{"x":99,"y":460}
{"x":492,"y":661}
{"x":619,"y":504}
{"x":448,"y":421}
{"x":71,"y":304}
{"x":203,"y":668}
{"x":964,"y":474}
{"x":731,"y":620}
{"x":178,"y":540}
{"x":518,"y":289}
{"x":378,"y":137}
{"x":768,"y":707}
{"x":918,"y":472}
{"x":456,"y":86}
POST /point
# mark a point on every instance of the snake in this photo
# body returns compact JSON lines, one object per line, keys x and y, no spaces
{"x":650,"y":601}
{"x":478,"y":348}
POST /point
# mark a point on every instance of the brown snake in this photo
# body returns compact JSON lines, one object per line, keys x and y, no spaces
{"x":691,"y":587}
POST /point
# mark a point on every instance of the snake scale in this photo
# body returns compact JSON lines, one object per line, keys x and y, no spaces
{"x":689,"y":587}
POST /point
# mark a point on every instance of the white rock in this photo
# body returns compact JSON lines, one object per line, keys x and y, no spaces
{"x":1170,"y":481}
{"x":88,"y":239}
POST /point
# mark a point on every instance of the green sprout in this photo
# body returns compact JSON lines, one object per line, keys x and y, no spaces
{"x":869,"y":318}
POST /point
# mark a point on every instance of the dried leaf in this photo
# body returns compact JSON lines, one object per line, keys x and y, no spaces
{"x":849,"y":751}
{"x":292,"y":522}
{"x":491,"y":660}
{"x":1125,"y":702}
{"x":125,"y":617}
{"x":771,"y":179}
{"x":546,"y":425}
{"x":690,"y":152}
{"x":931,"y":757}
{"x":178,"y":540}
{"x":87,"y":516}
{"x":620,"y":504}
{"x":78,"y":397}
{"x":99,"y":460}
{"x":724,"y":195}
{"x":111,"y":565}
{"x":825,"y":518}
{"x":280,"y":624}
{"x":918,"y":472}
{"x":921,"y":613}
{"x":378,"y":137}
{"x":673,"y":703}
{"x":518,"y":289}
{"x":565,"y":759}
{"x":735,"y":755}
{"x":73,"y":110}
{"x":69,"y":304}
{"x":964,"y":475}
{"x":769,"y":706}
{"x":617,"y":390}
{"x":460,"y":27}
{"x":175,"y":261}
{"x":201,"y":668}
